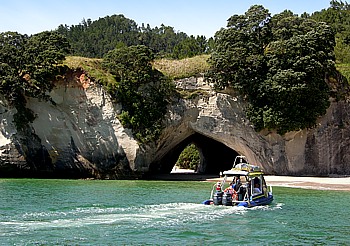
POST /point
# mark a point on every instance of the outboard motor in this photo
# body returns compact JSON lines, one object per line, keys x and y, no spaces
{"x":227,"y":199}
{"x":217,"y":198}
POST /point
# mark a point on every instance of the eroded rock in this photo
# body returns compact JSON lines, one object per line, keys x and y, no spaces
{"x":80,"y":136}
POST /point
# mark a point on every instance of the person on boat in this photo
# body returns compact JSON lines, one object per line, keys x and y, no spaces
{"x":231,"y":191}
{"x":256,"y":183}
{"x":239,"y":188}
{"x":256,"y":189}
{"x":234,"y":183}
{"x":237,"y":183}
{"x":218,"y":187}
{"x":230,"y":188}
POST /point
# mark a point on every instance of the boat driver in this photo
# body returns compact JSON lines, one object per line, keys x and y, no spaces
{"x":256,"y":189}
{"x":237,"y":183}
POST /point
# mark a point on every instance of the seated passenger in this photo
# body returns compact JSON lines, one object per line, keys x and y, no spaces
{"x":237,"y":183}
{"x":256,"y":189}
{"x":231,"y":188}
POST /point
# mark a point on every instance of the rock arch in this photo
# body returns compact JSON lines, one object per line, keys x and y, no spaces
{"x":82,"y":136}
{"x":217,"y":125}
{"x":219,"y":119}
{"x":214,"y":155}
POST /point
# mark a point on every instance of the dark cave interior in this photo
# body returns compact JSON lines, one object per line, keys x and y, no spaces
{"x":215,"y":156}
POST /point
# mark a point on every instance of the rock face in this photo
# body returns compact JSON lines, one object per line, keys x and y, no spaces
{"x":79,"y":136}
{"x":76,"y":137}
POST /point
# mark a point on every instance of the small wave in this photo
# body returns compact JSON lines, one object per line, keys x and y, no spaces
{"x":146,"y":216}
{"x":74,"y":212}
{"x":268,"y":207}
{"x":174,"y":214}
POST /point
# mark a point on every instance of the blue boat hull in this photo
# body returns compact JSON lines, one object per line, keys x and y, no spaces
{"x":257,"y":202}
{"x":208,"y":202}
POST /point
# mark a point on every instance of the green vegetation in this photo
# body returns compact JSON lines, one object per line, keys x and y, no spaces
{"x":142,"y":90}
{"x":189,"y":158}
{"x":28,"y":67}
{"x":174,"y":69}
{"x":279,"y":64}
{"x":344,"y":69}
{"x":92,"y":66}
{"x":184,"y":68}
{"x":28,"y":64}
{"x":96,"y":38}
{"x":338,"y":16}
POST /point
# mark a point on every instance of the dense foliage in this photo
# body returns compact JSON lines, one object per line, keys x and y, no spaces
{"x":96,"y":38}
{"x":338,"y":16}
{"x":279,"y":64}
{"x":189,"y":158}
{"x":29,"y":64}
{"x":142,"y":90}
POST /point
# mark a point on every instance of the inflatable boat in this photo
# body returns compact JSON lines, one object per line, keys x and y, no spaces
{"x":243,"y":185}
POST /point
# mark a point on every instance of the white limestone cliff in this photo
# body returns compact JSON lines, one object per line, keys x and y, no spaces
{"x":79,"y":135}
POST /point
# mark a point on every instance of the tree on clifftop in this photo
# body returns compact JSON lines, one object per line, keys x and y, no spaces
{"x":279,"y":64}
{"x":140,"y":89}
{"x":28,"y":64}
{"x":338,"y":16}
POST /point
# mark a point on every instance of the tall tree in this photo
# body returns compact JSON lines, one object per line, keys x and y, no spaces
{"x":190,"y":47}
{"x":12,"y":64}
{"x":96,"y":38}
{"x":28,"y":64}
{"x":279,"y":64}
{"x":338,"y":16}
{"x":142,"y":90}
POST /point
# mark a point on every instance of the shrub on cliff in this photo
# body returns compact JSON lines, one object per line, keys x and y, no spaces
{"x":279,"y":64}
{"x":28,"y":64}
{"x":142,"y":90}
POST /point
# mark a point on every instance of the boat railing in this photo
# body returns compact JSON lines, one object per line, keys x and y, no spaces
{"x":223,"y":181}
{"x":270,"y":189}
{"x":212,"y":191}
{"x":240,"y":159}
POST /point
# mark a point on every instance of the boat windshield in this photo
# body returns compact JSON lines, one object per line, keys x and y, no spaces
{"x":258,"y":185}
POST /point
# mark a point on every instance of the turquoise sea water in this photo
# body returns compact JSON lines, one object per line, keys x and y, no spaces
{"x":81,"y":212}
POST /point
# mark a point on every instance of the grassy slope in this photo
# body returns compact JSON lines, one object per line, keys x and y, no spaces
{"x":173,"y":68}
{"x":344,"y":68}
{"x":177,"y":69}
{"x":92,"y":66}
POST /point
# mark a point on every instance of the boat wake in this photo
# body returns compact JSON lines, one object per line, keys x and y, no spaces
{"x":145,"y":216}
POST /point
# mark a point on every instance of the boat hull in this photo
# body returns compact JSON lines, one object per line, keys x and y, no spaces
{"x":258,"y":202}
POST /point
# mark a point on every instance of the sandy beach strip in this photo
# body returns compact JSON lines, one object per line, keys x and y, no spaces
{"x":319,"y":183}
{"x":316,"y":183}
{"x":340,"y":183}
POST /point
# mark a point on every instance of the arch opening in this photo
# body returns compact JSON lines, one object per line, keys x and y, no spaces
{"x":189,"y":159}
{"x":215,"y":156}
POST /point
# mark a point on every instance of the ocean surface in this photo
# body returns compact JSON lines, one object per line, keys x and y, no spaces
{"x":94,"y":212}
